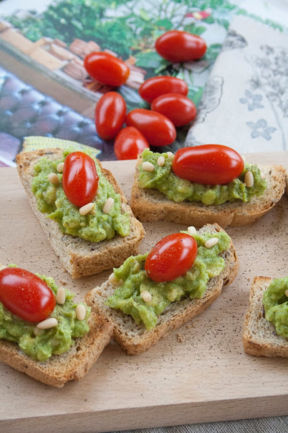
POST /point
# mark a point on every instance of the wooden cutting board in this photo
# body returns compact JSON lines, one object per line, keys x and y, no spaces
{"x":198,"y":373}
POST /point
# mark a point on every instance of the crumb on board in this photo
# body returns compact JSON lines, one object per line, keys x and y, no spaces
{"x":180,"y":338}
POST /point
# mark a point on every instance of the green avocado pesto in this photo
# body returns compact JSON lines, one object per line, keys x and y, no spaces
{"x":178,"y":190}
{"x":275,"y":304}
{"x":133,"y":280}
{"x":97,"y":225}
{"x":42,"y":344}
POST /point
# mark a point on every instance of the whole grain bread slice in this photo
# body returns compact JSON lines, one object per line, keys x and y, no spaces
{"x":80,"y":257}
{"x":151,"y":205}
{"x":259,"y":336}
{"x":134,"y":338}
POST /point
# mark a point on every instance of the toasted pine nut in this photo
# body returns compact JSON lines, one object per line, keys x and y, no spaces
{"x":60,"y":167}
{"x":147,"y":166}
{"x":192,"y":230}
{"x":211,"y":242}
{"x":170,"y":155}
{"x":249,"y":179}
{"x":87,"y":208}
{"x":47,"y":323}
{"x":80,"y":312}
{"x":286,"y":293}
{"x":146,"y":296}
{"x":161,"y":161}
{"x":53,"y":178}
{"x":37,"y":331}
{"x":123,"y":207}
{"x":108,"y":205}
{"x":61,"y":296}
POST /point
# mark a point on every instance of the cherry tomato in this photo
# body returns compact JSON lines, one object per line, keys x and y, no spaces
{"x":80,"y":178}
{"x":110,"y":114}
{"x":157,"y":86}
{"x":156,"y":128}
{"x":106,"y":68}
{"x":210,"y":164}
{"x":178,"y":108}
{"x":179,"y":46}
{"x":171,"y":257}
{"x":129,"y":143}
{"x":26,"y":295}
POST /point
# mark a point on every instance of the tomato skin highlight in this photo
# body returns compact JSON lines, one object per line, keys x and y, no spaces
{"x":26,"y":295}
{"x":80,"y":178}
{"x":171,"y":257}
{"x":156,"y":128}
{"x":157,"y":86}
{"x":129,"y":143}
{"x":209,"y":164}
{"x":106,"y":69}
{"x":179,"y":46}
{"x":178,"y":108}
{"x":110,"y":115}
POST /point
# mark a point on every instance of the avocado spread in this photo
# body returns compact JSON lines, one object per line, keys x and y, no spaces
{"x":174,"y":188}
{"x":95,"y":226}
{"x":133,"y":280}
{"x":45,"y":343}
{"x":276,"y":305}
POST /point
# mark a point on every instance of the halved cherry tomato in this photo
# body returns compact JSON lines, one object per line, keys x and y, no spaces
{"x":210,"y":164}
{"x":129,"y":143}
{"x":157,"y":86}
{"x":106,"y":68}
{"x":156,"y":128}
{"x":178,"y":108}
{"x":80,"y":178}
{"x":179,"y":46}
{"x":171,"y":257}
{"x":110,"y":114}
{"x":26,"y":295}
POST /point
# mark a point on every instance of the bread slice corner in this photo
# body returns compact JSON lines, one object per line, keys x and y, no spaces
{"x":259,"y":336}
{"x":135,"y":339}
{"x":80,"y":257}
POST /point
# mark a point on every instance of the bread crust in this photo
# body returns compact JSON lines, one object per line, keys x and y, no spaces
{"x":79,"y":257}
{"x":135,"y":339}
{"x":151,"y":205}
{"x":259,"y":336}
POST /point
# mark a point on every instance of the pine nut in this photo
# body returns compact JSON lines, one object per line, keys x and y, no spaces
{"x":286,"y":293}
{"x":170,"y":155}
{"x":211,"y":242}
{"x":48,"y":323}
{"x":80,"y":312}
{"x":87,"y":208}
{"x":61,"y":296}
{"x":108,"y":205}
{"x":123,"y":207}
{"x":192,"y":230}
{"x":147,"y":166}
{"x":53,"y":178}
{"x":37,"y":331}
{"x":146,"y":296}
{"x":161,"y":161}
{"x":60,"y":167}
{"x":249,"y":179}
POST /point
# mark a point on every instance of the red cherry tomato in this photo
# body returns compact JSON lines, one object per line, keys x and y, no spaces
{"x":26,"y":295}
{"x":110,"y":114}
{"x":178,"y":108}
{"x":156,"y":128}
{"x":157,"y":86}
{"x":179,"y":46}
{"x":129,"y":143}
{"x":106,"y":68}
{"x":80,"y":178}
{"x":171,"y":257}
{"x":210,"y":164}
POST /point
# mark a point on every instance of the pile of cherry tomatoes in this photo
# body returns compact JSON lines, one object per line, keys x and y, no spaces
{"x":170,"y":107}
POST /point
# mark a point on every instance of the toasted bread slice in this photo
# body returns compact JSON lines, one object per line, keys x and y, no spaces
{"x":152,"y":205}
{"x":259,"y":336}
{"x":134,"y":338}
{"x":80,"y":257}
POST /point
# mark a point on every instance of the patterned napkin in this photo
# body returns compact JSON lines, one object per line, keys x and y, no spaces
{"x":245,"y":102}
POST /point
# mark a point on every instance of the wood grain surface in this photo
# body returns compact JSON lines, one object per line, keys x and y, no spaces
{"x":197,"y":374}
